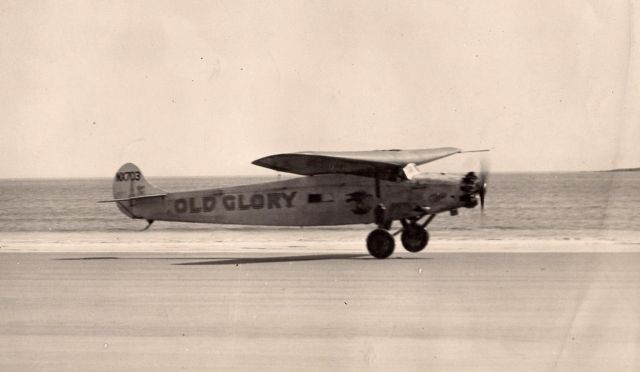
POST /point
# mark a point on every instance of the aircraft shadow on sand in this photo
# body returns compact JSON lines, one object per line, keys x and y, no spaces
{"x":226,"y":260}
{"x":276,"y":259}
{"x":221,"y":261}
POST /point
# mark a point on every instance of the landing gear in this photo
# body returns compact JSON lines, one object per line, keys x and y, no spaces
{"x":414,"y":237}
{"x":380,"y":243}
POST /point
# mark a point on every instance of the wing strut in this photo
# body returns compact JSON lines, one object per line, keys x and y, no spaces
{"x":380,"y":212}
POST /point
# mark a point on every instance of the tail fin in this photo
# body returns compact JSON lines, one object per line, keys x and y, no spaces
{"x":129,"y":185}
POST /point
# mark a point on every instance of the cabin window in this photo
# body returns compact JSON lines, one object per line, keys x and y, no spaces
{"x":315,"y":198}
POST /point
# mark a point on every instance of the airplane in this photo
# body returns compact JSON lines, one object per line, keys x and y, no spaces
{"x":338,"y":188}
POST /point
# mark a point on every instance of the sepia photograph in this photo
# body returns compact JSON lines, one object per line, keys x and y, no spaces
{"x":320,"y":185}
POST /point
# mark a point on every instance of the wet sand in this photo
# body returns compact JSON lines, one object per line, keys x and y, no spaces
{"x":260,"y":308}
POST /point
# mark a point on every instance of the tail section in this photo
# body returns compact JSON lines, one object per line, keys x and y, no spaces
{"x":129,"y":183}
{"x":131,"y":189}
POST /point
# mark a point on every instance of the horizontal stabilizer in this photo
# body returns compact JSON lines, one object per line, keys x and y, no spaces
{"x":133,"y":198}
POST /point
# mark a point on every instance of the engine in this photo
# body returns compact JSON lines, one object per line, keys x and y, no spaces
{"x":470,"y":190}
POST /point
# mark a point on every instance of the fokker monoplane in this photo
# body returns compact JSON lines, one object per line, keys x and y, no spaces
{"x":339,"y":188}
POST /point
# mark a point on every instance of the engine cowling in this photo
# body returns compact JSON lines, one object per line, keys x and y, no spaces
{"x":469,"y":188}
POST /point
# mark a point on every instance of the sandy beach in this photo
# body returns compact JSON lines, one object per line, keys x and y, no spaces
{"x":189,"y":301}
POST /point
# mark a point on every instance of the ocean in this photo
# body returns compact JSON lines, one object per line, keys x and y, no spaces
{"x":586,"y":205}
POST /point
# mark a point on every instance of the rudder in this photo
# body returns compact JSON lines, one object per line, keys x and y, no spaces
{"x":129,"y":182}
{"x":129,"y":187}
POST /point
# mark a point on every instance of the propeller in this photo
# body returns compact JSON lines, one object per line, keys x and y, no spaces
{"x":483,"y":181}
{"x":475,"y":185}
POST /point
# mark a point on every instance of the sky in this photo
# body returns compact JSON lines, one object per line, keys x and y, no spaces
{"x":203,"y":88}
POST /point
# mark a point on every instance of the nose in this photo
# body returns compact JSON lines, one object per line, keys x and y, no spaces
{"x":469,"y":187}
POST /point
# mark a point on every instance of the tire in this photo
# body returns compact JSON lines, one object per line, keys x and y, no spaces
{"x":414,"y":238}
{"x":380,"y":243}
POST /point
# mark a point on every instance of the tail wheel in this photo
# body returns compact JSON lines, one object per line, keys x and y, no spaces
{"x":414,"y":238}
{"x":380,"y":243}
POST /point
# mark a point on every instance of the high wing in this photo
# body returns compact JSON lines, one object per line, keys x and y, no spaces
{"x":382,"y":164}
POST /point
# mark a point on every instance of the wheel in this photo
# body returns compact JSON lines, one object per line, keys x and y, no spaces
{"x":380,"y":243}
{"x":414,"y":238}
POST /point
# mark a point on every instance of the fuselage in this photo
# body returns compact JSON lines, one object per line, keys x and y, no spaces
{"x":334,"y":199}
